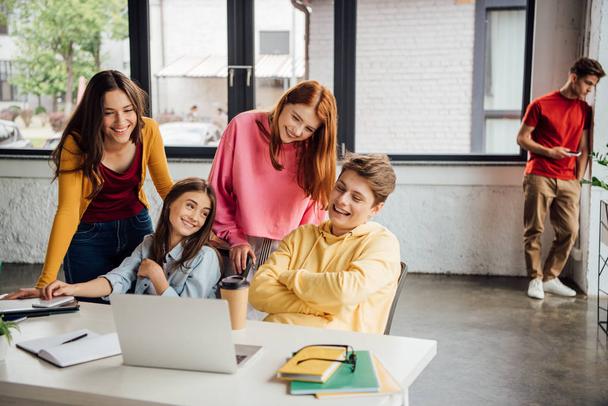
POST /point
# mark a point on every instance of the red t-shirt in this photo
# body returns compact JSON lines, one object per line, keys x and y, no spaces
{"x":557,"y":121}
{"x":118,"y":198}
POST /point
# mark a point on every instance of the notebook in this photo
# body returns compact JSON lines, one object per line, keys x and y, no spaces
{"x":314,"y":370}
{"x":364,"y":379}
{"x":64,"y":354}
{"x":388,"y":384}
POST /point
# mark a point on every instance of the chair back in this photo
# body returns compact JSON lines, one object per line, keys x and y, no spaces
{"x":400,"y":285}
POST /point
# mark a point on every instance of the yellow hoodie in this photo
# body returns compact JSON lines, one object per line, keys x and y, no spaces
{"x":316,"y":278}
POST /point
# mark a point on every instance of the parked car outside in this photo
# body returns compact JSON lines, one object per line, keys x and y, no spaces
{"x":11,"y":137}
{"x":190,"y":134}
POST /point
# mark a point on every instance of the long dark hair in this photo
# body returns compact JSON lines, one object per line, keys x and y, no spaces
{"x":85,"y":125}
{"x":193,"y":243}
{"x":317,"y":154}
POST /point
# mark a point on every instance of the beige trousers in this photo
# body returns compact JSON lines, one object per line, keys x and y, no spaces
{"x":561,"y":199}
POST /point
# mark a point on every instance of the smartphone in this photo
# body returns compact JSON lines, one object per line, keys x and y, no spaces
{"x":574,"y":153}
{"x":247,"y":267}
{"x":54,"y":302}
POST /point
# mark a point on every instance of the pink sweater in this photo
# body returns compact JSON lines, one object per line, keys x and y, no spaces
{"x":253,"y":198}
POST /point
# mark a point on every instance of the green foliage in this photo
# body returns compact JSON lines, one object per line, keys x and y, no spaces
{"x":601,"y":159}
{"x":6,"y":7}
{"x":5,"y":329}
{"x":60,"y":40}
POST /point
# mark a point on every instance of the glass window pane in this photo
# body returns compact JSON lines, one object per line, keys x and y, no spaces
{"x":501,"y":136}
{"x":188,"y":61}
{"x":414,"y":76}
{"x":282,"y":48}
{"x":506,"y":30}
{"x":46,"y":59}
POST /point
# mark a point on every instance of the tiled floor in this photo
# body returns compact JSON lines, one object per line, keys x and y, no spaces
{"x":496,"y":346}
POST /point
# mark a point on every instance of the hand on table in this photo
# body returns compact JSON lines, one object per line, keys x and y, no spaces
{"x":24,"y":293}
{"x":58,"y":288}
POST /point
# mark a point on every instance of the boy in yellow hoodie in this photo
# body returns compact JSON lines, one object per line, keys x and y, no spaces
{"x":343,"y":273}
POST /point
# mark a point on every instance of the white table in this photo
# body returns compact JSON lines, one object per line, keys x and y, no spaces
{"x":25,"y":379}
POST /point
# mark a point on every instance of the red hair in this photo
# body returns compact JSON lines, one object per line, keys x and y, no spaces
{"x":317,"y":154}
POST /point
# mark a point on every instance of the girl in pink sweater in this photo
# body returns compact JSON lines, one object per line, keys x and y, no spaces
{"x":273,"y":171}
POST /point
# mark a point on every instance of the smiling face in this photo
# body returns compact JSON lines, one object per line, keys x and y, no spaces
{"x":351,"y":203}
{"x":188,"y":213}
{"x":119,"y":117}
{"x":582,"y":85}
{"x":297,"y":122}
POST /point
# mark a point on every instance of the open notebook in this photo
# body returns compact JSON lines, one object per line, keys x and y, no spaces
{"x":64,"y":354}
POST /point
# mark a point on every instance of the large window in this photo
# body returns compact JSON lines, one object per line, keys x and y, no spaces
{"x":212,"y":59}
{"x":419,"y":66}
{"x":440,"y":80}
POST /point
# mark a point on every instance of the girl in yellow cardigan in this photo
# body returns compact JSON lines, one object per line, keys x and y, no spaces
{"x":343,"y":273}
{"x":101,"y":163}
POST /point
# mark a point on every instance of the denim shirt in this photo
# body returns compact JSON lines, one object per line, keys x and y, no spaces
{"x":197,"y":278}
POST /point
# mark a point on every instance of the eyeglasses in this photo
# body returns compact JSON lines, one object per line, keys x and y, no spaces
{"x":350,"y":357}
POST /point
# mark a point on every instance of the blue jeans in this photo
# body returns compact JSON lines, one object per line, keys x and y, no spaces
{"x":97,"y":248}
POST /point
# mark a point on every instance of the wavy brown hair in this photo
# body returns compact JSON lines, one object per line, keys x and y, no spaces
{"x":317,"y":154}
{"x":193,"y":243}
{"x":85,"y":125}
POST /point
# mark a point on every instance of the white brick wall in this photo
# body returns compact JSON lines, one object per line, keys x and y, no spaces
{"x":414,"y":76}
{"x":414,"y":73}
{"x":321,"y":48}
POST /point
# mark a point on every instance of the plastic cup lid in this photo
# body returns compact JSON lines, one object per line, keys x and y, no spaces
{"x":234,"y":282}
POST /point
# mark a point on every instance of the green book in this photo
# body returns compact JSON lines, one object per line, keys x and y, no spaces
{"x":364,"y":379}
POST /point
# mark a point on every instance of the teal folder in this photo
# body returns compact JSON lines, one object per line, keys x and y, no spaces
{"x":364,"y":379}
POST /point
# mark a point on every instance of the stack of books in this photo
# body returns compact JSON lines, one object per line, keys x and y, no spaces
{"x":326,"y":379}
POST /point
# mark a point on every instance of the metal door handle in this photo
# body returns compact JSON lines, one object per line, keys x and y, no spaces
{"x":232,"y":68}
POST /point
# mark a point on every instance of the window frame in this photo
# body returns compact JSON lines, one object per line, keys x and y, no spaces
{"x":345,"y":19}
{"x":241,"y":52}
{"x":479,"y":113}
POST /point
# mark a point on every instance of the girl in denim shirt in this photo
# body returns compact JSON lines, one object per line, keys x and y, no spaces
{"x":174,"y":261}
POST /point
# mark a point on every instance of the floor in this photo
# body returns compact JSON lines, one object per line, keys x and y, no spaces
{"x":495,"y":345}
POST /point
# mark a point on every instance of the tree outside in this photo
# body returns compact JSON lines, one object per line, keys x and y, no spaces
{"x":59,"y":41}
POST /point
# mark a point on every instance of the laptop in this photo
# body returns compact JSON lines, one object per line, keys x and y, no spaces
{"x":178,"y":333}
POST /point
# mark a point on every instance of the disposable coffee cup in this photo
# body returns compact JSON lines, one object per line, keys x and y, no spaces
{"x":235,"y":289}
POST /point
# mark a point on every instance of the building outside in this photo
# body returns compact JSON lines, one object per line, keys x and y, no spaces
{"x":416,"y":72}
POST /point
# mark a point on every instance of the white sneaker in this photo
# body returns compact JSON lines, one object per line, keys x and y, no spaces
{"x":556,"y":287}
{"x":535,"y":289}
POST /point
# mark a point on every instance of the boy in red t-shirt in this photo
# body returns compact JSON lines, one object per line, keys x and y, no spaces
{"x":555,"y":132}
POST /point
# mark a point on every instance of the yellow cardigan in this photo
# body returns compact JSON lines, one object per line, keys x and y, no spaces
{"x":74,"y":187}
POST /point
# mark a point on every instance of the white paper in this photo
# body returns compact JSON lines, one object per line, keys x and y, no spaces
{"x":34,"y":346}
{"x":89,"y":348}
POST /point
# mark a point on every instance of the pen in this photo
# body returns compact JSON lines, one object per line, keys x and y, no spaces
{"x":75,"y":338}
